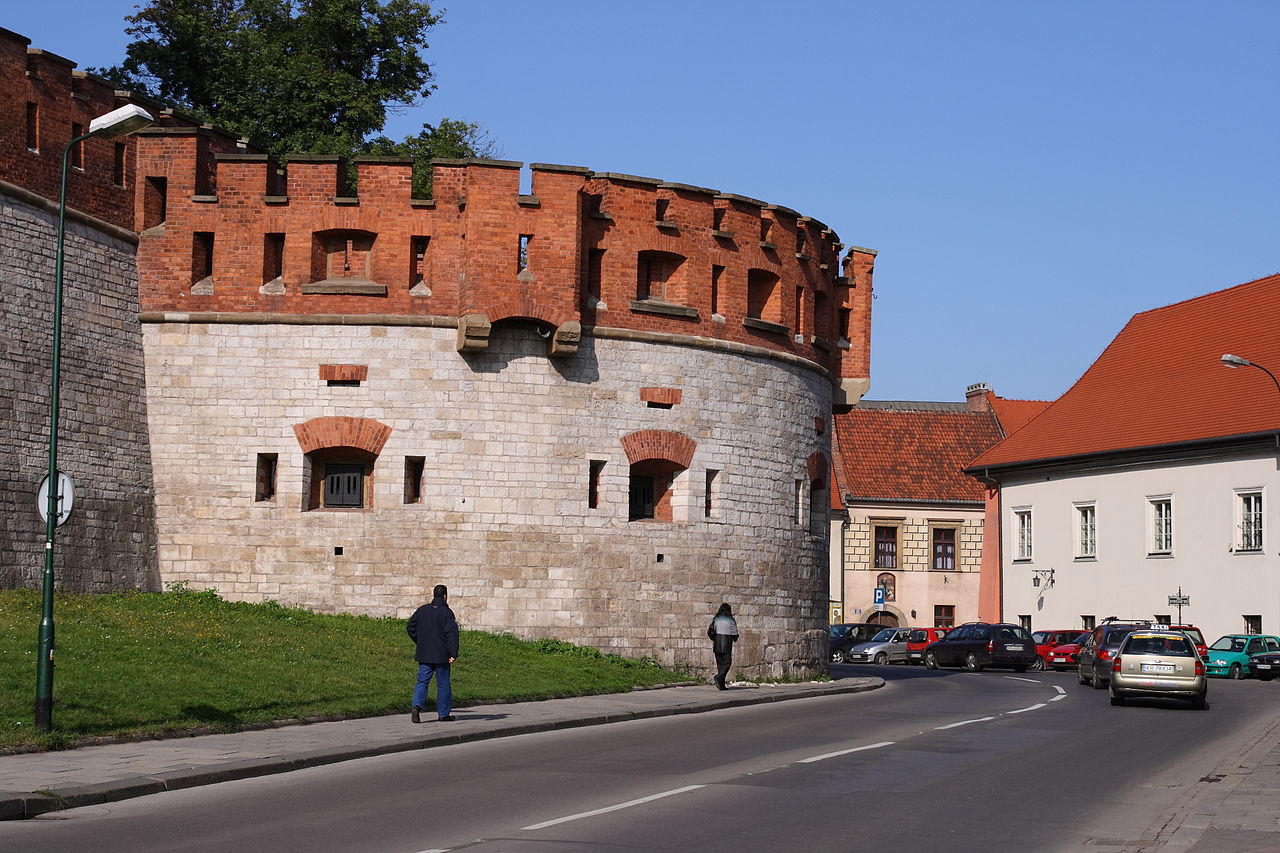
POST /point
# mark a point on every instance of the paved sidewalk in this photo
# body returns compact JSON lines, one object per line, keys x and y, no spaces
{"x":100,"y":774}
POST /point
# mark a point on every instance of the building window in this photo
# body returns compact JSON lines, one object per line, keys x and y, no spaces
{"x":77,"y":150}
{"x":595,"y":268}
{"x":1249,"y":523}
{"x":1025,"y":621}
{"x":414,"y":467}
{"x":202,"y":257}
{"x":265,"y":487}
{"x":711,"y":497}
{"x":1088,"y":622}
{"x":1086,"y":530}
{"x":272,"y":257}
{"x":522,"y":254}
{"x":1022,"y":523}
{"x":155,"y":201}
{"x":418,"y":260}
{"x":33,"y":126}
{"x":763,"y":301}
{"x":889,"y":584}
{"x":1252,"y":624}
{"x":886,"y":547}
{"x":658,"y":277}
{"x":944,"y":615}
{"x":652,"y":483}
{"x":799,"y":502}
{"x":1161,"y":511}
{"x":818,"y":504}
{"x":595,"y":467}
{"x":944,"y":548}
{"x":716,"y":272}
{"x":344,"y":484}
{"x":799,"y":311}
{"x":660,"y":209}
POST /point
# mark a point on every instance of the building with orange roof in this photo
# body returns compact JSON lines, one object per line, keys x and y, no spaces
{"x":1153,"y":476}
{"x":906,"y":517}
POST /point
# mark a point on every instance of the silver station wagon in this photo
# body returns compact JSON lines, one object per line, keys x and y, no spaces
{"x":1153,"y":663}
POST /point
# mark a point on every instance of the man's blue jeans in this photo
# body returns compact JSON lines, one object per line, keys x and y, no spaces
{"x":444,"y":692}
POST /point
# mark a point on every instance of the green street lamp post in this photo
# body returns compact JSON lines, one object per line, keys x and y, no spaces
{"x":119,"y":122}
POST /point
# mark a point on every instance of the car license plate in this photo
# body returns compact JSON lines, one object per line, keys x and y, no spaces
{"x":1263,"y":665}
{"x":1013,"y":648}
{"x":1157,"y":667}
{"x":1059,"y":660}
{"x":917,"y":654}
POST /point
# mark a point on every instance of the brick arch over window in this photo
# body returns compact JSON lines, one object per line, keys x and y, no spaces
{"x":659,"y":444}
{"x":524,"y":306}
{"x":363,"y":433}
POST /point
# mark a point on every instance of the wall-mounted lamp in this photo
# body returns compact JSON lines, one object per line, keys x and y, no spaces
{"x":1039,"y":575}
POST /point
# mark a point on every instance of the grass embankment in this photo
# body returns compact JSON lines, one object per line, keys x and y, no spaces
{"x":153,"y":663}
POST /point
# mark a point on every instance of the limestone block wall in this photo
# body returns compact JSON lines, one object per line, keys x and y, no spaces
{"x":109,"y":542}
{"x":508,"y":439}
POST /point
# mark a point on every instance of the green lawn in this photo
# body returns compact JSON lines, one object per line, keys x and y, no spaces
{"x":144,"y":663}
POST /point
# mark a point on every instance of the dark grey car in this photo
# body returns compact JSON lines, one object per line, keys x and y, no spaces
{"x":1099,"y":649}
{"x":976,"y":645}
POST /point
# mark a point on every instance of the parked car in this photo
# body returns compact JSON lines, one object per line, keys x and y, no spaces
{"x":918,"y":639}
{"x":1066,"y":656}
{"x":1047,"y":641}
{"x":888,"y":646}
{"x":1265,"y":666}
{"x":1152,"y":663}
{"x":1098,"y":649}
{"x":1197,"y":638}
{"x":846,"y":635}
{"x":976,"y":645}
{"x":1229,"y":655}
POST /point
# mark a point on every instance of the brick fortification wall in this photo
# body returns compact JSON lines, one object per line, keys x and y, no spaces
{"x":494,"y":373}
{"x":109,"y":543}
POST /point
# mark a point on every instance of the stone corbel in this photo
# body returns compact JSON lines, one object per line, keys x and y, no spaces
{"x":473,"y":333}
{"x":564,"y":342}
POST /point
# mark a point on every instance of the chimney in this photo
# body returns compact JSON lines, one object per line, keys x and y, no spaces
{"x":976,"y":397}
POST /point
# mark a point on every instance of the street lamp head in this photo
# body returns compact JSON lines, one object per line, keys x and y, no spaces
{"x":1233,"y":361}
{"x":120,"y":122}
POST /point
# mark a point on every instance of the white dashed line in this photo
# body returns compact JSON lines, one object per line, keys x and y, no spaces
{"x":1016,"y":678}
{"x":1060,"y":690}
{"x":619,"y":806}
{"x":847,"y":751}
{"x":1024,"y":710}
{"x":962,"y":723}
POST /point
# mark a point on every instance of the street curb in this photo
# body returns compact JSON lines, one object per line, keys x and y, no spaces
{"x":20,"y":806}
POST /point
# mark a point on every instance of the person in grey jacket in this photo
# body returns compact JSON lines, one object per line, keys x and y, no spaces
{"x":434,"y":632}
{"x":723,"y":633}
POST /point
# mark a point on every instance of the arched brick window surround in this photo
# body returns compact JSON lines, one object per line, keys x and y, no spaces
{"x":362,"y":433}
{"x":657,"y":458}
{"x":526,"y":307}
{"x":659,"y":444}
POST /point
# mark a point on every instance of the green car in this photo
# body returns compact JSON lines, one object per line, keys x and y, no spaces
{"x":1229,"y":655}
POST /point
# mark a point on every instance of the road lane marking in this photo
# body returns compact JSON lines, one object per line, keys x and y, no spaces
{"x":962,"y":723}
{"x":1024,"y":710}
{"x":1060,"y":690}
{"x":1016,"y":678}
{"x":1058,"y":697}
{"x":847,"y":751}
{"x":607,"y":809}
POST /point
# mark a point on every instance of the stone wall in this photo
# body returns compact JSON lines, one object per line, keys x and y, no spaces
{"x":508,"y":437}
{"x":109,"y":541}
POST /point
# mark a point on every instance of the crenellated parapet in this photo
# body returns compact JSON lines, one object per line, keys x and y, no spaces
{"x":230,"y":233}
{"x":45,"y":104}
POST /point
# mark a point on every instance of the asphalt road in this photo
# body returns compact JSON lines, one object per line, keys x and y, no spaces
{"x":936,"y":760}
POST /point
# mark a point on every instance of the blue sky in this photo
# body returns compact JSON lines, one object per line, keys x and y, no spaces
{"x":1032,"y":173}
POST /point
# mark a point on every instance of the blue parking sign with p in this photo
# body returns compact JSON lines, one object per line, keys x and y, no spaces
{"x":879,"y":595}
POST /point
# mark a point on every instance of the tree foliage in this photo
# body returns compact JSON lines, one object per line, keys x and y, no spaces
{"x":450,"y":139}
{"x":296,"y":76}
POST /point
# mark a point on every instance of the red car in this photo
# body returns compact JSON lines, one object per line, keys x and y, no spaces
{"x":1063,"y":658}
{"x":1197,"y":639}
{"x":1047,"y":641}
{"x":918,"y":639}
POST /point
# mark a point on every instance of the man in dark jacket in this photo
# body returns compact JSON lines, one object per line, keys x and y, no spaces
{"x":435,"y":631}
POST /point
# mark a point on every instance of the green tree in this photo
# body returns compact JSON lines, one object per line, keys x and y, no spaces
{"x":450,"y":139}
{"x":296,"y":76}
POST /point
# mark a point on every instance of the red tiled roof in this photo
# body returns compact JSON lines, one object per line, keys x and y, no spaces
{"x":1161,"y":381}
{"x":1014,"y":414}
{"x":894,"y":454}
